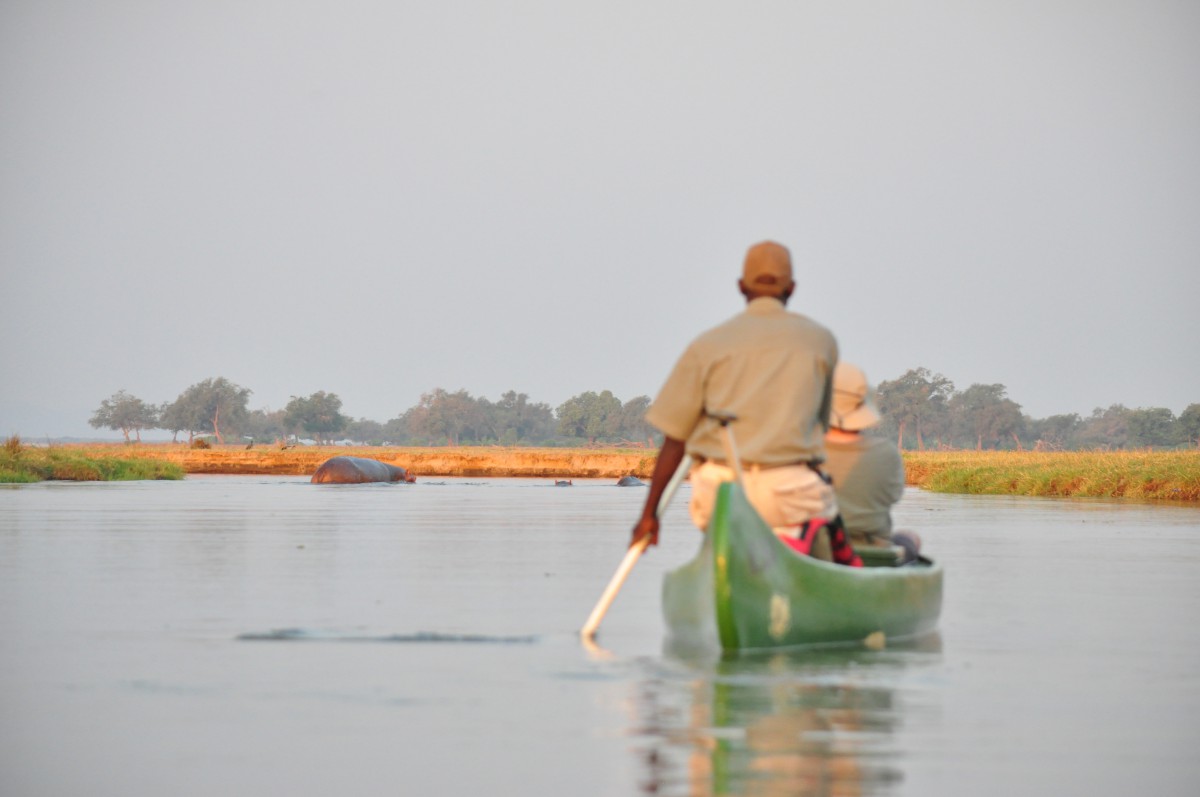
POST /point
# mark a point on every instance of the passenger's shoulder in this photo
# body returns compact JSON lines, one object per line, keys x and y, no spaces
{"x":884,"y":444}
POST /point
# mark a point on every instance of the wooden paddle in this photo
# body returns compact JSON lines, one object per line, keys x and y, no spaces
{"x":631,"y":556}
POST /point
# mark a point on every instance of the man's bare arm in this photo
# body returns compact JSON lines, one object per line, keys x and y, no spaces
{"x":669,"y":457}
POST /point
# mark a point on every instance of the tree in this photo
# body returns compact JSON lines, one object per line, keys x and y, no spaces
{"x":632,"y":421}
{"x":319,"y":415}
{"x":587,"y":415}
{"x":1056,"y":432}
{"x":514,"y":418}
{"x":1105,"y":428}
{"x":440,"y":414}
{"x":1151,"y":427}
{"x":1187,"y":425}
{"x":183,"y":414}
{"x":918,"y":398}
{"x":264,"y":424}
{"x":366,"y":432}
{"x":396,"y":430}
{"x":984,"y":412}
{"x":206,"y":405}
{"x":127,"y":413}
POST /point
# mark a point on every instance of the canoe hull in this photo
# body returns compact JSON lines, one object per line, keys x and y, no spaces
{"x":747,"y":590}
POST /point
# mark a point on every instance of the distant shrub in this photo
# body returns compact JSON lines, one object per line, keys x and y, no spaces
{"x":74,"y":469}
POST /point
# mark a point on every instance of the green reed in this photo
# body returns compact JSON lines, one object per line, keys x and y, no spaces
{"x":1153,"y":475}
{"x":21,"y":464}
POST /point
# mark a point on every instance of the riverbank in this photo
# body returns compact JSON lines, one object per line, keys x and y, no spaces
{"x":1144,"y":475}
{"x":468,"y":461}
{"x":22,"y":464}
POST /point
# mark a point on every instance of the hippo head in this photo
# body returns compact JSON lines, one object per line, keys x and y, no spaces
{"x":401,"y":474}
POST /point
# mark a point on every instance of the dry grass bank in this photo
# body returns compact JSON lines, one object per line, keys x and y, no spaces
{"x":463,"y":461}
{"x":1159,"y":475}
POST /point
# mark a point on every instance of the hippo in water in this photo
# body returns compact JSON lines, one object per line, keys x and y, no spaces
{"x":630,"y":481}
{"x":357,"y":470}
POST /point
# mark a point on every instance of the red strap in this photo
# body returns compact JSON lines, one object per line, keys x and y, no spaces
{"x":843,"y":552}
{"x":808,"y":534}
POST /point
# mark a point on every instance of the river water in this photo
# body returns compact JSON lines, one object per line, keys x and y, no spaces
{"x":229,"y":635}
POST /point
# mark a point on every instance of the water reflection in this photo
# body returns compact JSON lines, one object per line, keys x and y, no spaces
{"x":814,"y":722}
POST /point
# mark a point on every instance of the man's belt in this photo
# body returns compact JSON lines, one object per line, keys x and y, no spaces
{"x":813,"y":464}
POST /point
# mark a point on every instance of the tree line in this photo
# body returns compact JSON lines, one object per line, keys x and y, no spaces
{"x":920,"y":409}
{"x":219,"y":408}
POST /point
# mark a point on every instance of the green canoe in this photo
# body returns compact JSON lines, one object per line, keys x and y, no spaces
{"x":746,"y":590}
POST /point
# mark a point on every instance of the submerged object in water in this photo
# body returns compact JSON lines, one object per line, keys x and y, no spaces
{"x":359,"y":470}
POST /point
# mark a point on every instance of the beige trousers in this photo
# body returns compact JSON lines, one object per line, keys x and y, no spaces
{"x":784,"y":497}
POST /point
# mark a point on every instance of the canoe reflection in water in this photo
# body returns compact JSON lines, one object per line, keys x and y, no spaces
{"x":780,"y":723}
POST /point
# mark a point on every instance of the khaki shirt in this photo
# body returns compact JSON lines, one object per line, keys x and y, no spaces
{"x":868,"y":477}
{"x":772,"y":369}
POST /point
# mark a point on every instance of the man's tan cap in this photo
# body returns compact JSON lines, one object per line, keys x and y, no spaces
{"x":768,"y":267}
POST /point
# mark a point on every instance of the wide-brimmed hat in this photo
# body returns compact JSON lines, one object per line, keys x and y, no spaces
{"x":853,"y":400}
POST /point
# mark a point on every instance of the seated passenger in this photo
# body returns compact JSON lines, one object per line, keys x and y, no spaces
{"x":867,"y":471}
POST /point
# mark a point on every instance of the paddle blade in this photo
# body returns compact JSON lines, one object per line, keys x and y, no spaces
{"x":614,"y":586}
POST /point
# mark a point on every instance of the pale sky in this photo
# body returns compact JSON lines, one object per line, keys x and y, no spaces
{"x":380,"y":198}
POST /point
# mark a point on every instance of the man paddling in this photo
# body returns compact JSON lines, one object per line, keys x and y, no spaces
{"x":773,"y":370}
